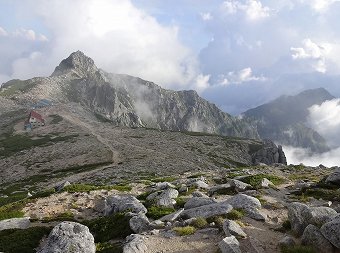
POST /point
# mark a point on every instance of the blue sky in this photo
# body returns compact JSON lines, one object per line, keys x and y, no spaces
{"x":236,"y":53}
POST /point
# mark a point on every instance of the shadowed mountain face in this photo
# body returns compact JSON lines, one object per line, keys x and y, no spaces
{"x":284,"y":120}
{"x":129,"y":101}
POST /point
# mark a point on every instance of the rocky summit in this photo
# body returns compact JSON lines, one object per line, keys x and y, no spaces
{"x":99,"y":162}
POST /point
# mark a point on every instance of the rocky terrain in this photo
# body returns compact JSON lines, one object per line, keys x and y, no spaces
{"x":102,"y":176}
{"x":284,"y":120}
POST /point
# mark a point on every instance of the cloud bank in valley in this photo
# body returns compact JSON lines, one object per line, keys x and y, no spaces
{"x":325,"y":119}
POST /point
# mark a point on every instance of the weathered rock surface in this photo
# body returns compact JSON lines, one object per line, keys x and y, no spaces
{"x":319,"y":215}
{"x":135,"y":244}
{"x":296,"y":217}
{"x":21,"y":223}
{"x":331,"y":231}
{"x":173,"y":216}
{"x":220,"y":188}
{"x":69,"y":237}
{"x":231,"y":227}
{"x":265,"y":183}
{"x":249,"y":204}
{"x":139,"y":223}
{"x":122,"y":203}
{"x":287,"y":241}
{"x":239,"y":185}
{"x":207,"y":211}
{"x":334,"y":178}
{"x":229,"y":245}
{"x":166,"y":198}
{"x":313,"y":237}
{"x":198,"y":201}
{"x":269,"y":154}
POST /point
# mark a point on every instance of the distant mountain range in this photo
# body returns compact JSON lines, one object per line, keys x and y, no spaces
{"x":284,"y":120}
{"x":130,"y":101}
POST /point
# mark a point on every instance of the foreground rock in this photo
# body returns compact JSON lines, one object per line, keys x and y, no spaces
{"x":123,"y":203}
{"x":331,"y":231}
{"x":207,"y":211}
{"x":139,"y":223}
{"x":334,"y":178}
{"x":135,"y":244}
{"x":198,"y":201}
{"x":230,"y":228}
{"x":21,"y":223}
{"x":69,"y":237}
{"x":249,"y":204}
{"x":229,"y":245}
{"x":313,"y":237}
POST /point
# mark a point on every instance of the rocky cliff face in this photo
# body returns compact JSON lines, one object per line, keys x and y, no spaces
{"x":131,"y":101}
{"x":284,"y":120}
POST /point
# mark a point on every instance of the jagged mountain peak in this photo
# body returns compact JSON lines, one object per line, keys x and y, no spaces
{"x":77,"y":63}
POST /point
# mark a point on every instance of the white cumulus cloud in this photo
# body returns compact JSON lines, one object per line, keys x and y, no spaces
{"x":253,"y":9}
{"x":238,"y":77}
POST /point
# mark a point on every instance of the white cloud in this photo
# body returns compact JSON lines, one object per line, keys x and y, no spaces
{"x":3,"y":32}
{"x":206,"y":16}
{"x":118,"y":36}
{"x":201,"y":83}
{"x":300,"y":155}
{"x":238,"y":77}
{"x":29,"y":35}
{"x":253,"y":9}
{"x":325,"y":119}
{"x":320,"y":5}
{"x":313,"y":51}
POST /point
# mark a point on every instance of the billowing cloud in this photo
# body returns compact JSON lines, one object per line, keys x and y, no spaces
{"x":201,"y":83}
{"x":118,"y":36}
{"x":320,"y":5}
{"x":206,"y":16}
{"x":325,"y":119}
{"x":252,"y":9}
{"x":238,"y":77}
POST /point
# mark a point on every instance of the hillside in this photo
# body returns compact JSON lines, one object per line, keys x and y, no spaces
{"x":284,"y":120}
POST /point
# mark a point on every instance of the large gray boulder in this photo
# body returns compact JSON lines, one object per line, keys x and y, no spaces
{"x":229,"y":245}
{"x":331,"y":231}
{"x":334,"y":178}
{"x":297,"y":218}
{"x":21,"y":223}
{"x":207,"y":211}
{"x":135,"y":244}
{"x":196,"y":202}
{"x":221,"y":188}
{"x":231,"y":227}
{"x":319,"y":215}
{"x":249,"y":204}
{"x":69,"y":237}
{"x":313,"y":237}
{"x":166,"y":198}
{"x":123,"y":203}
{"x":240,"y":186}
{"x":139,"y":223}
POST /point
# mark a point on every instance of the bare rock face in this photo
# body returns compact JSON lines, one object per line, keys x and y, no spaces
{"x":331,"y":231}
{"x":21,"y":223}
{"x":69,"y":237}
{"x":269,"y":154}
{"x":229,"y":245}
{"x":135,"y":244}
{"x":207,"y":211}
{"x":122,"y":203}
{"x":313,"y":237}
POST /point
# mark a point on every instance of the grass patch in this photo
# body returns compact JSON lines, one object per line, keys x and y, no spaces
{"x":107,"y":247}
{"x":218,"y":220}
{"x":261,"y":199}
{"x":55,"y":119}
{"x":255,"y":180}
{"x":182,"y":231}
{"x":87,"y":188}
{"x":14,"y":86}
{"x":156,"y":212}
{"x":22,"y":240}
{"x":66,"y":216}
{"x":298,"y":249}
{"x":319,"y":193}
{"x":180,"y":202}
{"x":109,"y":227}
{"x":200,"y":223}
{"x":12,"y":210}
{"x":235,"y":214}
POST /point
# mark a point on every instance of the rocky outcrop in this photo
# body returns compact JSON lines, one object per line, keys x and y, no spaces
{"x":334,"y":178}
{"x":123,"y":203}
{"x":69,"y":237}
{"x":269,"y":154}
{"x":21,"y":223}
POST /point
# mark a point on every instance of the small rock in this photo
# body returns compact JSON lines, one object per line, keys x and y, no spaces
{"x":265,"y":183}
{"x":164,"y":186}
{"x":231,"y":227}
{"x":199,"y":194}
{"x":139,"y":223}
{"x":61,"y":186}
{"x":239,"y":185}
{"x":200,"y":184}
{"x":207,"y":211}
{"x":229,"y":245}
{"x":135,"y":244}
{"x":287,"y":241}
{"x":196,"y":202}
{"x":123,"y":203}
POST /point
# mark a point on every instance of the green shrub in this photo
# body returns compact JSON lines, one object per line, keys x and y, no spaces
{"x":255,"y":180}
{"x":13,"y":210}
{"x":200,"y":222}
{"x":108,"y":248}
{"x":143,"y":196}
{"x":66,"y":216}
{"x":218,"y":220}
{"x":180,"y":202}
{"x":109,"y":227}
{"x":235,"y":214}
{"x":298,"y":249}
{"x":43,"y":194}
{"x":156,"y":212}
{"x":188,"y":230}
{"x":22,"y":240}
